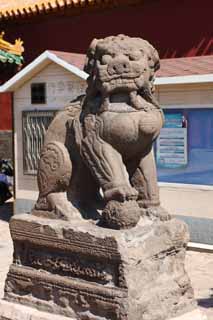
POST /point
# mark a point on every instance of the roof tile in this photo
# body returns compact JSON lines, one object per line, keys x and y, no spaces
{"x":16,"y":8}
{"x":169,"y":67}
{"x":76,"y":59}
{"x":186,"y":66}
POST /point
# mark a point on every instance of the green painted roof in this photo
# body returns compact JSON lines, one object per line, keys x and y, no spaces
{"x":6,"y":57}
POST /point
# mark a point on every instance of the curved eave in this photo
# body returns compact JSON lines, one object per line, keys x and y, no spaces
{"x":48,"y":6}
{"x":190,"y":79}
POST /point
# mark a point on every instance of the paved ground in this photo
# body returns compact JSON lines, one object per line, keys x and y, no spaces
{"x":199,"y":265}
{"x":6,"y":248}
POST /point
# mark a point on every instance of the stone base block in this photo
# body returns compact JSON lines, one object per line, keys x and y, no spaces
{"x":86,"y":272}
{"x":196,"y":314}
{"x":14,"y":311}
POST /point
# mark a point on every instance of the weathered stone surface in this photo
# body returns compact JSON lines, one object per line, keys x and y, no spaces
{"x":14,"y":311}
{"x":193,"y":315}
{"x":126,"y":261}
{"x":104,"y":139}
{"x":87,"y":272}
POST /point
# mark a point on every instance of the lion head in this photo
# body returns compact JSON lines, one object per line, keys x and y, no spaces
{"x":121,"y":70}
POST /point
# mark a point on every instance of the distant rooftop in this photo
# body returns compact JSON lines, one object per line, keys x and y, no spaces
{"x":173,"y":71}
{"x":23,"y":8}
{"x":173,"y":67}
{"x":186,"y":66}
{"x":76,"y":59}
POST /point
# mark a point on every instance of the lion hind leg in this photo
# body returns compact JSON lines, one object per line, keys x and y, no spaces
{"x":54,"y":174}
{"x":144,"y":179}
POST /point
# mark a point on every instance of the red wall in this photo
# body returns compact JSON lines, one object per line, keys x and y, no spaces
{"x":175,"y":27}
{"x":5,"y":111}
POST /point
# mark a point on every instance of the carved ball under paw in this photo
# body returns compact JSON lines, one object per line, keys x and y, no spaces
{"x":120,"y":215}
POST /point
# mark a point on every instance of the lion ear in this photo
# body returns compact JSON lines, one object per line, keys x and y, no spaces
{"x":90,"y":57}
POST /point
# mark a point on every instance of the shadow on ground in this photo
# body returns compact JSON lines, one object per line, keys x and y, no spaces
{"x":6,"y":211}
{"x":206,"y":302}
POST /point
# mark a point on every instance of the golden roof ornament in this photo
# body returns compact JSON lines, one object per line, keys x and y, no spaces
{"x":16,"y":48}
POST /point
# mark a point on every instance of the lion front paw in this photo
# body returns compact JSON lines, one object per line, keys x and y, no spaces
{"x":121,"y":193}
{"x":55,"y":206}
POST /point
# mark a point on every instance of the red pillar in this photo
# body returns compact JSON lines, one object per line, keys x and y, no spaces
{"x":6,"y":111}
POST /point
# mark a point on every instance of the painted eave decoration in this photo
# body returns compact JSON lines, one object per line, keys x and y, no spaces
{"x":11,"y":53}
{"x":13,"y":9}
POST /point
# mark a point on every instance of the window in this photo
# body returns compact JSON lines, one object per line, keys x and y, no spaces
{"x":38,"y":93}
{"x":35,"y":124}
{"x":195,"y":167}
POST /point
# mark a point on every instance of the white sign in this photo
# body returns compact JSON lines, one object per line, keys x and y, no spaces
{"x":172,"y":148}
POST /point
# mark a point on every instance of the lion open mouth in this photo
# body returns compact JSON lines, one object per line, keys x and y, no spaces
{"x":119,"y":102}
{"x":122,"y":94}
{"x":123,"y":99}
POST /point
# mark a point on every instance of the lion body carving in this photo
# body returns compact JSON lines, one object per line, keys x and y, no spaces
{"x":103,"y":141}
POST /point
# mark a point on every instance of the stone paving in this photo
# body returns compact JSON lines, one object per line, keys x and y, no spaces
{"x":199,"y":265}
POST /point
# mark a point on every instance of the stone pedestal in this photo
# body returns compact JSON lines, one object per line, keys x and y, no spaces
{"x":14,"y":311}
{"x":82,"y":271}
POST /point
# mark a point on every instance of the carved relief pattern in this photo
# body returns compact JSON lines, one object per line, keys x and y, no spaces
{"x":72,"y":265}
{"x":77,"y":242}
{"x":73,"y":270}
{"x":77,"y":255}
{"x":54,"y":168}
{"x":59,"y":294}
{"x":95,"y":155}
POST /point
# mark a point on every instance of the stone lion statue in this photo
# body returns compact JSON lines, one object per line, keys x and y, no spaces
{"x":98,"y":151}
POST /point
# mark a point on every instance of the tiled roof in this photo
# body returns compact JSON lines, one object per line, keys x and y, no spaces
{"x":173,"y":67}
{"x":76,"y":59}
{"x":186,"y":66}
{"x":173,"y":71}
{"x":18,"y":8}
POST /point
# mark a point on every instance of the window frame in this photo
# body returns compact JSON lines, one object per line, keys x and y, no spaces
{"x":42,"y":101}
{"x":37,"y":113}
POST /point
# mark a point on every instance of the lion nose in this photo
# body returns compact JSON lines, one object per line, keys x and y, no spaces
{"x":119,"y":66}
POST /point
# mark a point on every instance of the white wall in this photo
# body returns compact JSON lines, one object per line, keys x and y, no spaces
{"x":62,"y":87}
{"x":188,"y":200}
{"x":185,"y":95}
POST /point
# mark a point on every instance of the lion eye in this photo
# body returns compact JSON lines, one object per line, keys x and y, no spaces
{"x":135,"y":55}
{"x":106,"y":59}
